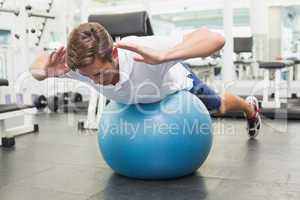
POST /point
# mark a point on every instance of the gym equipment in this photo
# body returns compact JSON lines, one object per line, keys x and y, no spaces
{"x":279,"y":99}
{"x":67,"y":101}
{"x":277,"y":102}
{"x":163,"y":140}
{"x":40,"y":102}
{"x":276,"y":68}
{"x":244,"y":67}
{"x":68,"y":97}
{"x":53,"y":103}
{"x":8,"y":111}
{"x":2,"y":3}
{"x":14,"y":11}
{"x":296,"y":72}
{"x":95,"y":110}
{"x":137,"y":23}
{"x":125,"y":24}
{"x":76,"y":98}
{"x":44,"y":16}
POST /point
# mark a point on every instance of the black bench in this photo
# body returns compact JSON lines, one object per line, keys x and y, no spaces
{"x":12,"y":107}
{"x":3,"y":82}
{"x":276,"y":64}
{"x":124,"y":24}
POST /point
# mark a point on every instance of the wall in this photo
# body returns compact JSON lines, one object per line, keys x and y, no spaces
{"x":23,"y":51}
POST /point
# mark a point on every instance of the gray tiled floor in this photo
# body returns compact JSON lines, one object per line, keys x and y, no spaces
{"x":61,"y":163}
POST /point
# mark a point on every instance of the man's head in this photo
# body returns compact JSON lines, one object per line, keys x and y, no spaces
{"x":90,"y":50}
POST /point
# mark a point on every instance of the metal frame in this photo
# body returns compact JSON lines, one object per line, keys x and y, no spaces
{"x":277,"y":85}
{"x":38,"y":15}
{"x":14,"y":11}
{"x":25,"y":128}
{"x":95,"y":109}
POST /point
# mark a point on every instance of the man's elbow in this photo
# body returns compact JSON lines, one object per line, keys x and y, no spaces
{"x":219,"y":41}
{"x":37,"y":75}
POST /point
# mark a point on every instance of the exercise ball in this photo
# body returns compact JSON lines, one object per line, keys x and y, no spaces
{"x":163,"y":140}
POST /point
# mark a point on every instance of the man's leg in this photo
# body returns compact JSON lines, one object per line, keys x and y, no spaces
{"x":249,"y":106}
{"x":221,"y":104}
{"x":231,"y":102}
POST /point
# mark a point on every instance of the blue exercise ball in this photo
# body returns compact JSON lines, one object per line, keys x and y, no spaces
{"x":163,"y":140}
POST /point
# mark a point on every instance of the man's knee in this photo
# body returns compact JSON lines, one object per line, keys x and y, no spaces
{"x":222,"y":108}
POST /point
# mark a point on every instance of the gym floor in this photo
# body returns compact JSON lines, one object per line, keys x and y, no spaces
{"x":61,"y":163}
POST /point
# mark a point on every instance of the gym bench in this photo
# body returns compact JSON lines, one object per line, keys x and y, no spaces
{"x":10,"y":111}
{"x":273,"y":71}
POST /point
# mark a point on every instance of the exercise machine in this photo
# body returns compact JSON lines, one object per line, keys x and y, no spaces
{"x":277,"y":101}
{"x":43,"y":15}
{"x":244,"y":64}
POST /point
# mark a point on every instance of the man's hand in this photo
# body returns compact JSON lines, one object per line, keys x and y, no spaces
{"x":145,"y":54}
{"x":50,"y":65}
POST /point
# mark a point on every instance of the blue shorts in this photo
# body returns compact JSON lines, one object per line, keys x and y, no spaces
{"x":209,"y":97}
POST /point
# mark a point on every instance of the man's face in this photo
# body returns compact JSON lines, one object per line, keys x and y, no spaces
{"x":103,"y":73}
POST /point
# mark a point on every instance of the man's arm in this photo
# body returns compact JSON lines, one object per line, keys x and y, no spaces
{"x":199,"y":43}
{"x":52,"y":65}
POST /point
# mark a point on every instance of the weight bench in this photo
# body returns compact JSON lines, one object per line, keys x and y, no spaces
{"x":118,"y":25}
{"x":273,"y":70}
{"x":9,"y":111}
{"x":124,"y":24}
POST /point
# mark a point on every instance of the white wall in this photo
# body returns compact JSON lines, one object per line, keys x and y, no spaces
{"x":23,"y":51}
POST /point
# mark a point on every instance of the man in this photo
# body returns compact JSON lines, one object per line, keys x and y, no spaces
{"x":142,"y":69}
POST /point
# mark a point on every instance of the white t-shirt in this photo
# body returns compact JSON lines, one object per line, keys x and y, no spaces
{"x":140,"y":82}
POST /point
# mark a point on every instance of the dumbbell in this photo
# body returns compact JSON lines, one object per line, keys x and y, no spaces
{"x":63,"y":101}
{"x":53,"y":103}
{"x":76,"y":98}
{"x":294,"y":96}
{"x":69,"y":100}
{"x":68,"y":97}
{"x":28,"y":7}
{"x":40,"y":102}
